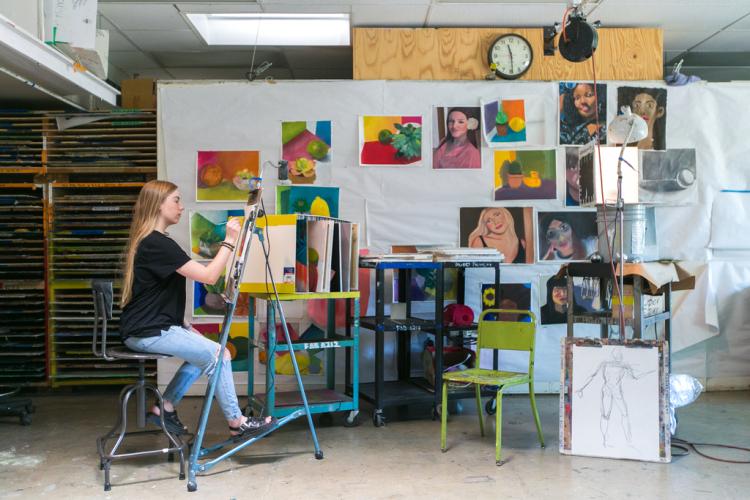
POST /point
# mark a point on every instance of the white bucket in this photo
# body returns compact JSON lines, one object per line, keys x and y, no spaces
{"x":640,"y":235}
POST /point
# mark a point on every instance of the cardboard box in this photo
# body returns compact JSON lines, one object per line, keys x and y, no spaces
{"x":139,"y":93}
{"x":650,"y":304}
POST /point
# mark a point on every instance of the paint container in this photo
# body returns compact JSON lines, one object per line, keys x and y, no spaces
{"x":639,"y":228}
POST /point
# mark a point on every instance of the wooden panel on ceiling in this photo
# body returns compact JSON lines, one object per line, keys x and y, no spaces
{"x":461,"y":54}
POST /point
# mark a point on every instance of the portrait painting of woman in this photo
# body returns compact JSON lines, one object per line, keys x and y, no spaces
{"x":456,"y":138}
{"x":583,"y":113}
{"x":508,"y":229}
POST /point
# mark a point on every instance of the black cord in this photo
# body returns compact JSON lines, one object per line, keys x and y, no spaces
{"x":686,"y":446}
{"x":269,"y":327}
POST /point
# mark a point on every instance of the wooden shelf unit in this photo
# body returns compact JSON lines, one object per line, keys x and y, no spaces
{"x":66,"y":200}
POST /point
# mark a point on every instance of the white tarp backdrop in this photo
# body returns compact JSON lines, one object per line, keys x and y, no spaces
{"x":413,"y":205}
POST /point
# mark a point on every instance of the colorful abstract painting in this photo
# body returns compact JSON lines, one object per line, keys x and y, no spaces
{"x":504,"y":122}
{"x":225,"y":175}
{"x":525,"y":175}
{"x":208,"y":300}
{"x":310,"y":361}
{"x":314,"y":200}
{"x":390,"y":140}
{"x":208,"y":230}
{"x":305,"y":146}
{"x":237,"y":344}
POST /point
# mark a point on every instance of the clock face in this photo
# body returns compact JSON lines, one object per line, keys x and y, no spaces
{"x":511,"y":55}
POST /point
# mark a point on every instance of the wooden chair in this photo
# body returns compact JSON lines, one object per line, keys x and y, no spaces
{"x":501,"y":335}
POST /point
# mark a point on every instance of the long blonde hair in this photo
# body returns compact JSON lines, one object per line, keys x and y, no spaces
{"x":481,"y":229}
{"x":145,"y":216}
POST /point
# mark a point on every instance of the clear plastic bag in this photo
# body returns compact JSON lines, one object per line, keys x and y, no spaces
{"x":683,"y":390}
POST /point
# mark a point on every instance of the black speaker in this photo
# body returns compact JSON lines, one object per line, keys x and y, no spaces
{"x":578,"y":40}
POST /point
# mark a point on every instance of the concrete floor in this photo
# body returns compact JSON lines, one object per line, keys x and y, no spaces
{"x":56,"y":458}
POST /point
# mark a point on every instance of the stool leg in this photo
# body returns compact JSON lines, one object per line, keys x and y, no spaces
{"x":123,"y":418}
{"x":176,"y":442}
{"x":141,"y":396}
{"x":107,"y":484}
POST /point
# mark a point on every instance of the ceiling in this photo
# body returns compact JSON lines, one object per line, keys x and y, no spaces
{"x":152,"y":38}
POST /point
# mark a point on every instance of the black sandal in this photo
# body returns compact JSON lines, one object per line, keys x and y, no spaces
{"x":171,"y":421}
{"x":252,"y":427}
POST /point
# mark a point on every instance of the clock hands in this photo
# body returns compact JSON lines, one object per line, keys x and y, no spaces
{"x":511,"y":57}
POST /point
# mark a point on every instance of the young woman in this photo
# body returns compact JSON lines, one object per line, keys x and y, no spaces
{"x":458,"y":148}
{"x":579,"y":108}
{"x":496,"y":229}
{"x":153,"y":306}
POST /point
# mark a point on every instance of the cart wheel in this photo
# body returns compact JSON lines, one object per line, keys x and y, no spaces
{"x":319,"y":455}
{"x":489,"y":407}
{"x":325,"y":420}
{"x":378,"y":420}
{"x":25,"y":419}
{"x":352,"y":420}
{"x":192,"y":486}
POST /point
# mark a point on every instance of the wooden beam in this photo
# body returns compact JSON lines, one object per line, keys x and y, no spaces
{"x":461,"y":54}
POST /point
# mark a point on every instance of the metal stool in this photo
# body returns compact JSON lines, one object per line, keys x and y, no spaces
{"x":102,"y":292}
{"x":16,"y":407}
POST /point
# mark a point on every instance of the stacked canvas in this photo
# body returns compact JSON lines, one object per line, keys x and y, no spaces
{"x":326,"y":254}
{"x":306,"y":253}
{"x":326,"y":248}
{"x":467,"y":254}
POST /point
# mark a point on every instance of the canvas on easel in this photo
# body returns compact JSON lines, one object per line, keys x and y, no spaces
{"x":614,"y":399}
{"x":277,"y":234}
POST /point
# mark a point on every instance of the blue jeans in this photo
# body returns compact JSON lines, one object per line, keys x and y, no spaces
{"x":201,"y":357}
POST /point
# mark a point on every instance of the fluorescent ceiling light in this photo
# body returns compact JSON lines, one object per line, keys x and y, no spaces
{"x":272,"y":29}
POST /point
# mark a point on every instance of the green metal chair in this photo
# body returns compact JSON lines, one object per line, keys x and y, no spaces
{"x":501,"y":335}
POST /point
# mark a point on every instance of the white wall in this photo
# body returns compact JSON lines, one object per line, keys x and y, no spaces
{"x":419,"y":205}
{"x":25,"y":13}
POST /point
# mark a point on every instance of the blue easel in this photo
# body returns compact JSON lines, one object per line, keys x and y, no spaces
{"x":198,"y":452}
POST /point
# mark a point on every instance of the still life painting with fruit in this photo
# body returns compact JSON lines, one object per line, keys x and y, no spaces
{"x":226,"y":175}
{"x":504,"y":121}
{"x":305,"y":146}
{"x":525,"y":174}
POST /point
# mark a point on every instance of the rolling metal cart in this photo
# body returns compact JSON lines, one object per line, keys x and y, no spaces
{"x":408,"y":390}
{"x":322,"y":401}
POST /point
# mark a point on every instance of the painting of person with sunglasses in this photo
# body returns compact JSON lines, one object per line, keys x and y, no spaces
{"x":567,"y":235}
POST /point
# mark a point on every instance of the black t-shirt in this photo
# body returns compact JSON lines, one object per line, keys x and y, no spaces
{"x":158,"y":297}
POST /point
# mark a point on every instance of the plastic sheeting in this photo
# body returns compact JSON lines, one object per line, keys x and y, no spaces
{"x":409,"y":205}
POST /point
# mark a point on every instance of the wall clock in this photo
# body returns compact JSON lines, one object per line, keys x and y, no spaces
{"x":510,"y":56}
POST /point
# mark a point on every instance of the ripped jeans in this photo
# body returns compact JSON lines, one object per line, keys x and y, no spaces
{"x":200,"y":355}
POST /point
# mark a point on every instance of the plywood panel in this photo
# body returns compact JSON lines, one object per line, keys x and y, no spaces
{"x":461,"y":54}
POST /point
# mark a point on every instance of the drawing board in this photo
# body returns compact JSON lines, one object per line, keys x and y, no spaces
{"x":613,"y":402}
